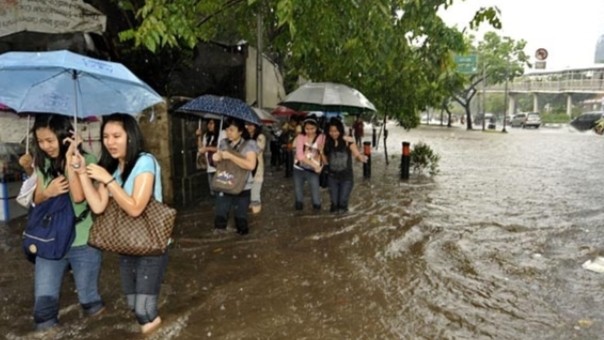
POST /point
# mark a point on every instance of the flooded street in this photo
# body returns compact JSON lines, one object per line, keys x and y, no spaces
{"x":491,"y":247}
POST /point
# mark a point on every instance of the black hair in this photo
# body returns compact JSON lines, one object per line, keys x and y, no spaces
{"x":311,"y":119}
{"x":257,"y":131}
{"x":134,"y":146}
{"x":330,"y":143}
{"x":240,"y":124}
{"x":62,"y":127}
{"x":212,"y":136}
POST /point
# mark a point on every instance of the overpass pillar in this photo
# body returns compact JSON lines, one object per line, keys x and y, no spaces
{"x":535,"y":103}
{"x":512,"y":105}
{"x":569,"y":104}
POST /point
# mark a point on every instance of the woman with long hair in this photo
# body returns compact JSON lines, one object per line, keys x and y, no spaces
{"x":238,"y":141}
{"x":338,"y":154}
{"x":207,"y":145}
{"x":55,"y":167}
{"x":131,"y":176}
{"x":308,"y":164}
{"x":255,"y":132}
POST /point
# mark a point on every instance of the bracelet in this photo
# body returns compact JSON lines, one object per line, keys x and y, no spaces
{"x":106,"y":184}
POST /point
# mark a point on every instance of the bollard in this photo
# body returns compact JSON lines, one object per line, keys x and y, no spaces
{"x":289,"y":160}
{"x":367,"y":165}
{"x":374,"y":138}
{"x":405,"y":161}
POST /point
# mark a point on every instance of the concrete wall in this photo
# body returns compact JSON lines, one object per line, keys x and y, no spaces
{"x":273,"y":91}
{"x":155,"y":125}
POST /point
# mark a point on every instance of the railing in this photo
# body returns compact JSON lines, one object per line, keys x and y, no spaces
{"x":551,"y":86}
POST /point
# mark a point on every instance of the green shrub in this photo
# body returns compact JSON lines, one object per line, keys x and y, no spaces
{"x":423,"y":158}
{"x":555,"y":118}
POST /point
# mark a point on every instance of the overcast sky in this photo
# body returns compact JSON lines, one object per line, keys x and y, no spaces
{"x":568,"y":30}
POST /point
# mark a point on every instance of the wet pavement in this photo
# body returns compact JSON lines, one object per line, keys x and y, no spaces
{"x":491,"y":247}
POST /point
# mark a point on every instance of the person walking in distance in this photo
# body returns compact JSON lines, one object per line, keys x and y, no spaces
{"x":358,"y":129}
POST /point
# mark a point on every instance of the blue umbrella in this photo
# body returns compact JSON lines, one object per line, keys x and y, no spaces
{"x":71,"y":84}
{"x":224,"y":106}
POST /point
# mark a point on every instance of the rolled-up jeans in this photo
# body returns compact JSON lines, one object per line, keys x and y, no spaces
{"x":301,"y":176}
{"x":85,"y":263}
{"x":141,"y":278}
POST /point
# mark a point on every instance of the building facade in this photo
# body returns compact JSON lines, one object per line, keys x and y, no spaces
{"x":599,"y":57}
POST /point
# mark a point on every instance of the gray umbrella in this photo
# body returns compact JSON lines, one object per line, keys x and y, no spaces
{"x":330,"y":97}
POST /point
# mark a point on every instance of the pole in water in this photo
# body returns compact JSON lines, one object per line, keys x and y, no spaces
{"x":374,"y":138}
{"x":367,"y":165}
{"x":405,"y":160}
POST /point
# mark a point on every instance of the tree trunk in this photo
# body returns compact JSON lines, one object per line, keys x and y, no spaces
{"x":385,"y":137}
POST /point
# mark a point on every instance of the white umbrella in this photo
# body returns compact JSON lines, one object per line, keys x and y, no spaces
{"x":327,"y":97}
{"x":264,"y":116}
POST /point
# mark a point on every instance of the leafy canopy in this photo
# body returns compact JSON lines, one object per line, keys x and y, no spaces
{"x":396,"y":52}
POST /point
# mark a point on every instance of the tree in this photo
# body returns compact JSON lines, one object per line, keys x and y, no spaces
{"x":394,"y":51}
{"x":499,"y":58}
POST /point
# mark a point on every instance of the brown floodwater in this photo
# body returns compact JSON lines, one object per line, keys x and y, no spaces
{"x":491,"y":247}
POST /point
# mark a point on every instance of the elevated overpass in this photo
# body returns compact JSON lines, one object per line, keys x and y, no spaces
{"x":589,"y":80}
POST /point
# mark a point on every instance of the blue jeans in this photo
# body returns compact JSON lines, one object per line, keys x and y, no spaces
{"x":240,"y":204}
{"x":85,"y":264}
{"x":339,"y":192}
{"x":301,"y":176}
{"x":141,"y":281}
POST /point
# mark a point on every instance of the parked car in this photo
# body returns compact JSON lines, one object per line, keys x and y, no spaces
{"x":532,"y":120}
{"x":587,"y":121}
{"x":518,"y":120}
{"x":489,"y":120}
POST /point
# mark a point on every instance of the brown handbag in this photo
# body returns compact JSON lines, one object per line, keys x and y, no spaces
{"x":148,"y":234}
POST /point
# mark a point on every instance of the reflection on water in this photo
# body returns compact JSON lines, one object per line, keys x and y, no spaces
{"x":490,"y":248}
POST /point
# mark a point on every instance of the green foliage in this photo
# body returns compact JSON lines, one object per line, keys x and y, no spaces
{"x":555,"y":118}
{"x":499,"y":59}
{"x":397,"y":52}
{"x":422,"y":158}
{"x":490,"y":15}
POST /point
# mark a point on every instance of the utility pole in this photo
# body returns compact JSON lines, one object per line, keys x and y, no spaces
{"x":259,"y":58}
{"x":484,"y":93}
{"x":505,"y":93}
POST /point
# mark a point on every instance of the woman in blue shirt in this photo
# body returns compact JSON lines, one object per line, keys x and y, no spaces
{"x":130,"y":176}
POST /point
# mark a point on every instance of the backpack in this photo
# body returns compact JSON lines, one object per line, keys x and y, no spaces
{"x":50,"y":228}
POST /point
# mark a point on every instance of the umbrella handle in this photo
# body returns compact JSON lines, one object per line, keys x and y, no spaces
{"x":27,"y":135}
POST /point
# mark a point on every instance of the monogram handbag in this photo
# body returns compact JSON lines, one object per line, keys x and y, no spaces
{"x":148,"y":234}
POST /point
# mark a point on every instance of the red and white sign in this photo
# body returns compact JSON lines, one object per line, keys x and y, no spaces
{"x":541,"y":54}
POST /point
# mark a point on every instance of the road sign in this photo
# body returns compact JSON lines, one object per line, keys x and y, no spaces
{"x":467,"y":64}
{"x":540,"y":65}
{"x":541,"y":54}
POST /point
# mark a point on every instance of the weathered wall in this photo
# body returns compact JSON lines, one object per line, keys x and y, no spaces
{"x":273,"y":91}
{"x":155,"y":125}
